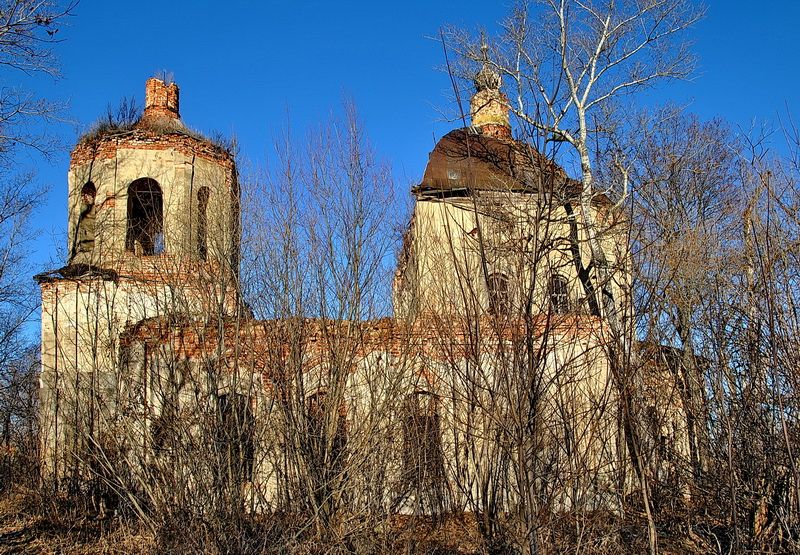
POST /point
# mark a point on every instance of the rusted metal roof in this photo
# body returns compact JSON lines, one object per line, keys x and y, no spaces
{"x":468,"y":160}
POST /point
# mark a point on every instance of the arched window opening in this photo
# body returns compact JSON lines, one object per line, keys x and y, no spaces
{"x":167,"y":379}
{"x":85,"y":234}
{"x":165,"y":427}
{"x":235,"y":438}
{"x":423,"y":458}
{"x":559,"y":294}
{"x":326,"y":426}
{"x":202,"y":222}
{"x":499,"y":302}
{"x":145,"y":233}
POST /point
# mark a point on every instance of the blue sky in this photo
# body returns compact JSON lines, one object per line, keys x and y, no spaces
{"x":243,"y":66}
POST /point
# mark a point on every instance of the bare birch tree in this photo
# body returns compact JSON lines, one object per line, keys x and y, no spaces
{"x":566,"y":64}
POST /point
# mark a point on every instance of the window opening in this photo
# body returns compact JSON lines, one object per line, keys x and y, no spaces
{"x":235,"y":438}
{"x":202,"y":222}
{"x":326,"y":448}
{"x":499,"y":302}
{"x":85,"y":239}
{"x":559,"y":295}
{"x":423,"y":458}
{"x":145,"y":233}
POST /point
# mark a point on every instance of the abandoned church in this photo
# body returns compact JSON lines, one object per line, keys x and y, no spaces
{"x":495,"y":380}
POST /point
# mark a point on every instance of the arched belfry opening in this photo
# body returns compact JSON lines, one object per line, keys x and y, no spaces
{"x":84,"y":240}
{"x":202,"y":222}
{"x":145,"y":231}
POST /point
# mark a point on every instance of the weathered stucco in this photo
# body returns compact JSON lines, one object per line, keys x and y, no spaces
{"x":131,"y":340}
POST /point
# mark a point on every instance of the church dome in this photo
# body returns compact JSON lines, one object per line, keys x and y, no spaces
{"x":467,"y":160}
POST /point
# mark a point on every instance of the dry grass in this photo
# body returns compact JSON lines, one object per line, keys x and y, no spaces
{"x":30,"y":523}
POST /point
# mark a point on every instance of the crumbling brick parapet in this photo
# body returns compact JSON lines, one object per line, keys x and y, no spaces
{"x":161,"y":100}
{"x":106,"y":147}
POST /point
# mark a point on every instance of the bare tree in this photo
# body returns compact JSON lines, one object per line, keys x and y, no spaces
{"x":321,"y":264}
{"x":567,"y":63}
{"x":715,"y":229}
{"x":687,"y":206}
{"x":28,"y":29}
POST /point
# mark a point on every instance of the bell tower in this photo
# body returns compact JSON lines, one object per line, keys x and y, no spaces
{"x":153,"y":233}
{"x":155,"y":189}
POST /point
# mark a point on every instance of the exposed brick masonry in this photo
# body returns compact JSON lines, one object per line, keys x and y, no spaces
{"x":106,"y":146}
{"x":161,"y":100}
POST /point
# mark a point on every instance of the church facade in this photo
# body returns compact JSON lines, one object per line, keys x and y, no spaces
{"x":490,"y":384}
